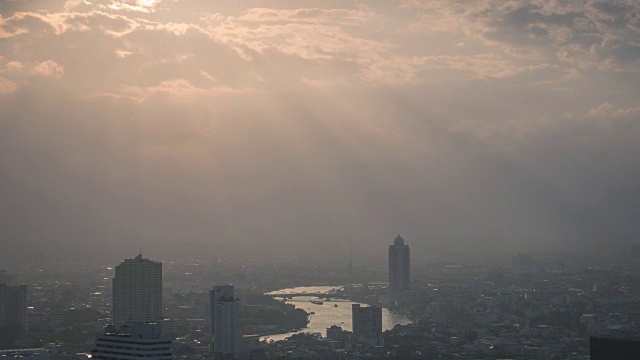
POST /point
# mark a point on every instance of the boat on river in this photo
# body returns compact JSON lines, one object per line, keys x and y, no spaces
{"x":317,"y":302}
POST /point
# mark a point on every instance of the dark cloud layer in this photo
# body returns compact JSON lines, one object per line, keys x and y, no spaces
{"x":485,"y":125}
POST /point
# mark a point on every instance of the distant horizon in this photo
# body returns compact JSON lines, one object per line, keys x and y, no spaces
{"x":206,"y":251}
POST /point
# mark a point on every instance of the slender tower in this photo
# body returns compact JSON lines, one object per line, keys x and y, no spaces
{"x":399,"y":269}
{"x":225,"y":323}
{"x":350,"y":262}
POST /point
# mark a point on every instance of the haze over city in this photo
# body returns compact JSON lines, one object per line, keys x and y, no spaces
{"x":285,"y":127}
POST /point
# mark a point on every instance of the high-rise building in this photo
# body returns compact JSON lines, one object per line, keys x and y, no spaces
{"x":13,"y":303}
{"x":335,"y":332}
{"x":226,"y":323}
{"x":399,"y":269}
{"x":137,"y":291}
{"x":611,"y":348}
{"x":216,"y":293}
{"x":6,"y":278}
{"x":367,"y":324}
{"x":131,"y":342}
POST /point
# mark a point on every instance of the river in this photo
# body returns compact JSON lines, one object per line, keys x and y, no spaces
{"x":333,"y":312}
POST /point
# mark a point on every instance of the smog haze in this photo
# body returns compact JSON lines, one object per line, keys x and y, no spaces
{"x":288,"y":126}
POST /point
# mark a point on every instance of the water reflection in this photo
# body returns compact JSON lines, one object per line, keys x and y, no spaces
{"x":330,"y":312}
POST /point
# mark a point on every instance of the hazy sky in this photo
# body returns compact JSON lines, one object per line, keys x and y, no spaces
{"x":459,"y":124}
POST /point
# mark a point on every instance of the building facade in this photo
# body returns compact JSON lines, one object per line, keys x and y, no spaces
{"x":132,"y":341}
{"x":611,"y":348}
{"x":13,"y":305}
{"x":227,"y":340}
{"x":137,"y":291}
{"x":335,"y":332}
{"x":216,"y":293}
{"x":399,"y":269}
{"x":367,"y":324}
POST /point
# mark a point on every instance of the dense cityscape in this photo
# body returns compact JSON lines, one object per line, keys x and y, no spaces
{"x":519,"y":306}
{"x":320,"y":179}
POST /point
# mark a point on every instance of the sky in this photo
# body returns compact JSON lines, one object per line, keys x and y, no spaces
{"x":287,"y":126}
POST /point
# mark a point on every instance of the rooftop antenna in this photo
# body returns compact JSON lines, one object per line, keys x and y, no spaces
{"x":350,"y":260}
{"x":350,"y":253}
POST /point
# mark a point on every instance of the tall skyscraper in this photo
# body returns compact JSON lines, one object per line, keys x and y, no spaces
{"x":367,"y":324}
{"x":227,"y":339}
{"x":13,"y":303}
{"x":215,"y":294}
{"x":399,"y":269}
{"x":131,"y":342}
{"x":226,"y":323}
{"x":137,"y":291}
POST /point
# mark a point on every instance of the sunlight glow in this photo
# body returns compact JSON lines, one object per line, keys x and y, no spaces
{"x":145,"y":6}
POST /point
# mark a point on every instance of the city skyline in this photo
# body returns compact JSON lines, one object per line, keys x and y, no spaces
{"x":265,"y":154}
{"x":519,"y":306}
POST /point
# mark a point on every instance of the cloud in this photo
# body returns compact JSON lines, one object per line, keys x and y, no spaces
{"x":15,"y":66}
{"x":48,"y":68}
{"x":359,"y":46}
{"x":593,"y":34}
{"x":180,"y":90}
{"x":9,"y":30}
{"x":7,"y":86}
{"x":61,"y":22}
{"x":114,"y":25}
{"x":72,"y":4}
{"x":37,"y":68}
{"x":313,"y":34}
{"x":220,"y":120}
{"x":611,"y":112}
{"x":143,"y":6}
